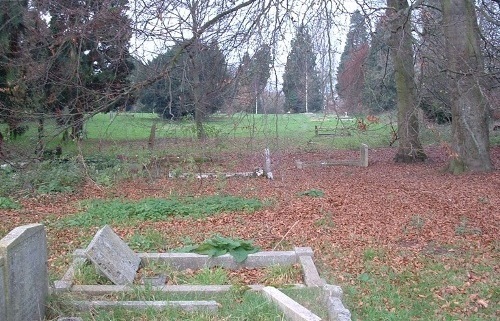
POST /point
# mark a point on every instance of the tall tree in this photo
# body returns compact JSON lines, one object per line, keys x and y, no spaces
{"x":252,"y":76}
{"x":379,"y":92}
{"x":400,"y":42}
{"x":433,"y":84}
{"x":350,"y":73}
{"x":12,"y":89}
{"x":91,"y":60}
{"x":173,"y":96}
{"x":469,"y":108}
{"x":301,"y":82}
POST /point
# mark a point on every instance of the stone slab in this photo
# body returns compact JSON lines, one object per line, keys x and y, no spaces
{"x":293,"y":310}
{"x":99,"y":290}
{"x":311,"y":275}
{"x":3,"y":290}
{"x":182,"y":261}
{"x":210,"y":306}
{"x":304,"y":251}
{"x":112,"y":257}
{"x":25,"y":277}
{"x":336,"y":310}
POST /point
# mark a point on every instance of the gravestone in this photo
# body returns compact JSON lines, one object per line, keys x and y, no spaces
{"x":3,"y":290}
{"x":23,"y":278}
{"x":112,"y":257}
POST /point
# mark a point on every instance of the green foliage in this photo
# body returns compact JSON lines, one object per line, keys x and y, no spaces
{"x":87,"y":274}
{"x":189,"y":86}
{"x":379,"y":92}
{"x":312,"y":193}
{"x":147,"y":241}
{"x":100,"y":212}
{"x":54,"y":177}
{"x":252,"y":76}
{"x":301,"y":82}
{"x":219,"y":245}
{"x":44,"y":178}
{"x":7,"y":203}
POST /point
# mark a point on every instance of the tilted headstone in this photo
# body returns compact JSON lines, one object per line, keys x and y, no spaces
{"x":23,"y":274}
{"x":112,"y":257}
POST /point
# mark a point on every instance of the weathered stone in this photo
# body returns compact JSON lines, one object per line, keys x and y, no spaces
{"x":3,"y":290}
{"x":210,"y":306}
{"x":112,"y":257}
{"x":304,"y":251}
{"x":336,"y":310}
{"x":24,"y":280}
{"x":293,"y":310}
{"x":311,"y":275}
{"x":182,"y":261}
{"x":364,"y":155}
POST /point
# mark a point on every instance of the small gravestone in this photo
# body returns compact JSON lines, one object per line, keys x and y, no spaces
{"x":112,"y":257}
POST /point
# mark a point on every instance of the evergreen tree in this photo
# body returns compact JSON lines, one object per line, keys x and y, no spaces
{"x":173,"y":96}
{"x":379,"y":92}
{"x":252,"y":76}
{"x":91,"y":58}
{"x":301,"y":82}
{"x":350,"y":73}
{"x":12,"y":90}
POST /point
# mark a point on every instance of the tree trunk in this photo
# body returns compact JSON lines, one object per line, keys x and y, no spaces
{"x":469,"y":108}
{"x":400,"y":41}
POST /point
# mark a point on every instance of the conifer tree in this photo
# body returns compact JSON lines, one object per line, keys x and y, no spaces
{"x":350,"y":73}
{"x":379,"y":92}
{"x":301,"y":82}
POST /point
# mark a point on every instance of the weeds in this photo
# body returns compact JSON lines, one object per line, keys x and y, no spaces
{"x":312,"y":193}
{"x":7,"y":203}
{"x":101,"y":212}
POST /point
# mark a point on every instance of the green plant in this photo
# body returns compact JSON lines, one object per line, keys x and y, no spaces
{"x":463,"y":228}
{"x":207,"y":276}
{"x":100,"y":212}
{"x":87,"y":274}
{"x":7,"y":203}
{"x":219,"y":245}
{"x":312,"y":193}
{"x":282,"y":275}
{"x":147,"y":241}
{"x":56,"y":177}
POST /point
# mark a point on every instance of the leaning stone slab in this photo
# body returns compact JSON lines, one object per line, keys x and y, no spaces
{"x":210,"y":306}
{"x":24,"y":281}
{"x":112,"y":257}
{"x":293,"y":310}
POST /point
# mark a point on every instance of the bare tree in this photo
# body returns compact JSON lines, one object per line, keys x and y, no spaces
{"x":400,"y":41}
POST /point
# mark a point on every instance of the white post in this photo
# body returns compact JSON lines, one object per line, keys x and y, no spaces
{"x":267,"y":165}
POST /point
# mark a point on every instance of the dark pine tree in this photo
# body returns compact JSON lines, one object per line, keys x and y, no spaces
{"x":301,"y":82}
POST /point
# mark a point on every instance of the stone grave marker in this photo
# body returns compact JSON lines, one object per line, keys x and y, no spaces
{"x":112,"y":257}
{"x":23,"y":274}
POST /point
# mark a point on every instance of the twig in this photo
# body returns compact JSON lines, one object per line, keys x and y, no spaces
{"x":289,"y":230}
